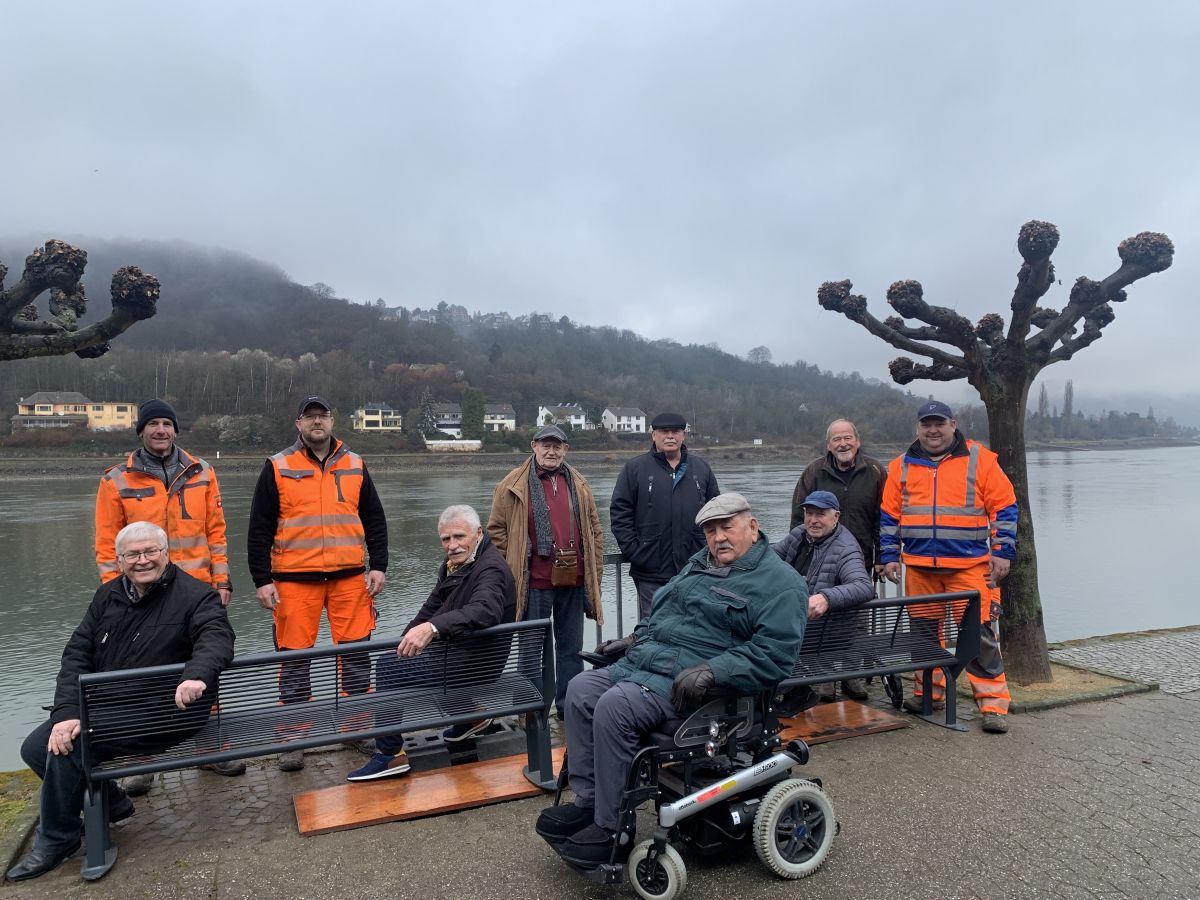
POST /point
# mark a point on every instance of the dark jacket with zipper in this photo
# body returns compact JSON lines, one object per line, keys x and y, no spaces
{"x":859,"y":491}
{"x":653,"y":512}
{"x":478,"y":594}
{"x":178,"y":620}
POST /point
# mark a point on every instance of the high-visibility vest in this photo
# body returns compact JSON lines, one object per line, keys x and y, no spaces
{"x":188,"y":510}
{"x":950,"y":514}
{"x":318,"y":529}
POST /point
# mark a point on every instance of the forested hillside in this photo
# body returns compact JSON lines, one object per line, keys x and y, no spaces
{"x":234,"y":336}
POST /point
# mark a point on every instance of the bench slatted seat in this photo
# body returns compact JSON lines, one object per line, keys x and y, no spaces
{"x":502,"y":671}
{"x":893,"y":635}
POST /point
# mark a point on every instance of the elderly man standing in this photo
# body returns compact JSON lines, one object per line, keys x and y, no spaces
{"x":475,"y":590}
{"x":829,"y":558}
{"x":178,"y":620}
{"x":732,"y":618}
{"x":656,"y":531}
{"x":162,"y":483}
{"x":950,"y":513}
{"x":544,"y":521}
{"x":313,"y":508}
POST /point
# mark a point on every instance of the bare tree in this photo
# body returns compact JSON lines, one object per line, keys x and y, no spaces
{"x":759,"y":355}
{"x":1001,"y":367}
{"x":57,"y":268}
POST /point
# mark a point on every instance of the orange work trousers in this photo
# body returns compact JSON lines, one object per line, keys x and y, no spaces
{"x":986,"y":671}
{"x":351,"y":617}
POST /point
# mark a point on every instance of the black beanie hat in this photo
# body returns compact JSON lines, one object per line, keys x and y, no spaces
{"x":156,"y":409}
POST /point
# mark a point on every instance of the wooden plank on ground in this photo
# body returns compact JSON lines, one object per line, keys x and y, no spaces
{"x":835,"y":721}
{"x":415,"y":795}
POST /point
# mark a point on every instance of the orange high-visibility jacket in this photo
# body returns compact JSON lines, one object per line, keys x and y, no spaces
{"x":319,"y":529}
{"x":189,"y":511}
{"x":951,"y":514}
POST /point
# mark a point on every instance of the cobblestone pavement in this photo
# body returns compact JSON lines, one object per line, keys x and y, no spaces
{"x":1094,"y":800}
{"x":1171,"y":660}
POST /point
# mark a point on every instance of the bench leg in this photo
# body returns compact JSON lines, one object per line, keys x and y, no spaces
{"x":539,"y":768}
{"x":101,"y":853}
{"x":951,"y":721}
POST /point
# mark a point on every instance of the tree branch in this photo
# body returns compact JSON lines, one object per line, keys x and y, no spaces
{"x":904,"y":370}
{"x":57,"y":265}
{"x":906,"y":298}
{"x":835,"y":296}
{"x":1093,"y":325}
{"x":1035,"y":242}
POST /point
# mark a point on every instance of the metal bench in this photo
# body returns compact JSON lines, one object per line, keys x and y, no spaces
{"x":501,"y":671}
{"x":888,"y":636}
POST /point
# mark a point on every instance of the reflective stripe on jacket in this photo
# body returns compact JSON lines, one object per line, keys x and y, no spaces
{"x":318,"y":529}
{"x":949,"y":514}
{"x":189,"y":511}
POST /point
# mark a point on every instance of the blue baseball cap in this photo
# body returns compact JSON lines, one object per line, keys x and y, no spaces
{"x":822,"y":500}
{"x":934,"y":409}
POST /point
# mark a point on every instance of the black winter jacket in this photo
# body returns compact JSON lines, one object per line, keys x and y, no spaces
{"x":654,"y":519}
{"x":477,"y":595}
{"x":178,"y":620}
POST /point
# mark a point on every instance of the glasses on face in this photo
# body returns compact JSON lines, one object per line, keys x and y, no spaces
{"x":316,"y":417}
{"x":151,"y":555}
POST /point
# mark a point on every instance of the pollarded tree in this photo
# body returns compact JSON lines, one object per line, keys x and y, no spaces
{"x":1001,"y":367}
{"x":58,"y":268}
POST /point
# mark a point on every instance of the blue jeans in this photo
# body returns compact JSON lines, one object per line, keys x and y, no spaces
{"x":565,"y":607}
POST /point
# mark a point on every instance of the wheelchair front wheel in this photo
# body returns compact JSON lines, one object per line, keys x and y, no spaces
{"x":661,"y":878}
{"x":794,"y":828}
{"x":895,"y":689}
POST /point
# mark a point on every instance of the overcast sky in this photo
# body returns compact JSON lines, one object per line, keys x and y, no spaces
{"x":685,"y":170}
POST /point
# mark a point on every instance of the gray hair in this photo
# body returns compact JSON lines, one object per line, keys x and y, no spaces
{"x":140,"y":531}
{"x":459,"y":513}
{"x":829,"y":430}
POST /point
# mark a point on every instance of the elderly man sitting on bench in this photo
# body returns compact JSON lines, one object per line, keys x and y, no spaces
{"x":733,"y":618}
{"x":155,"y":614}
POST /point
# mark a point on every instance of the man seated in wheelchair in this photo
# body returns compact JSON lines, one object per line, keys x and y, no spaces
{"x":733,"y":618}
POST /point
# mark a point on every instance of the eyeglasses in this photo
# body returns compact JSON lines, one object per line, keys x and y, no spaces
{"x":316,"y":417}
{"x":151,"y":555}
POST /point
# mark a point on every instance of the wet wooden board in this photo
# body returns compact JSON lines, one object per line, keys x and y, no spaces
{"x":835,"y":721}
{"x":415,"y":795}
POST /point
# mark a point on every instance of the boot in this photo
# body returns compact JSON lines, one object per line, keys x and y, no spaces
{"x":854,"y":689}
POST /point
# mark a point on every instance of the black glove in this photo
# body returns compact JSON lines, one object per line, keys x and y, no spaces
{"x":690,"y":685}
{"x":616,"y":648}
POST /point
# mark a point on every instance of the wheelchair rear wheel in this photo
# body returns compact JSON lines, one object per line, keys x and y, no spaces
{"x":794,"y":828}
{"x":661,"y":878}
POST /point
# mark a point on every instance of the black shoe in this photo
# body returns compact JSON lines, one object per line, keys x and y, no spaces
{"x":36,"y":863}
{"x":795,"y":701}
{"x":593,"y":845}
{"x":120,"y":810}
{"x":557,"y":823}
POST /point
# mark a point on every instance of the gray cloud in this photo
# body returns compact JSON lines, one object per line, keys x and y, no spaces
{"x":684,"y":170}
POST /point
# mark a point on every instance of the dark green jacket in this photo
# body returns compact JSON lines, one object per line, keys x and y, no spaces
{"x":860,"y":496}
{"x":745,"y":620}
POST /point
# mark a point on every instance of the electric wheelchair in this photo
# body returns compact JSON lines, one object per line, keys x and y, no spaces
{"x":722,"y":778}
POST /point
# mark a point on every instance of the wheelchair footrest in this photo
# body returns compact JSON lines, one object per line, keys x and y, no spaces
{"x":602,"y":873}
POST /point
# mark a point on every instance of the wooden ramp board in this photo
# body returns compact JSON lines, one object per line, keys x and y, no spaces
{"x":835,"y":721}
{"x":415,"y":795}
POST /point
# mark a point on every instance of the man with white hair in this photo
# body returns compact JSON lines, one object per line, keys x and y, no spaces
{"x":154,"y":614}
{"x":474,"y":590}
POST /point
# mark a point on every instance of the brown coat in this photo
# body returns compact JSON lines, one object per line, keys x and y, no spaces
{"x":508,"y":527}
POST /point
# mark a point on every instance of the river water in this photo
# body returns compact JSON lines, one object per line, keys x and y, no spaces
{"x":1101,"y":518}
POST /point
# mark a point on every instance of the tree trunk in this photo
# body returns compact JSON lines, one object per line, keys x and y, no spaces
{"x":1023,"y":634}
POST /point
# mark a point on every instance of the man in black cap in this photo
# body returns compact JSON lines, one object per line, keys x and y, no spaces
{"x":314,"y":508}
{"x":544,"y":521}
{"x":161,"y":483}
{"x":656,"y":529}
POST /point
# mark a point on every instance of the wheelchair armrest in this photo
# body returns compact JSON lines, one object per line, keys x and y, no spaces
{"x":598,"y":660}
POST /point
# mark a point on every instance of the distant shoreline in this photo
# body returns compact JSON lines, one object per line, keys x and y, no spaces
{"x":85,"y":466}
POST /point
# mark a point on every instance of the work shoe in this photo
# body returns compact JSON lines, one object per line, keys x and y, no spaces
{"x":233,"y":767}
{"x":994,"y":723}
{"x":366,"y":746}
{"x":120,"y":809}
{"x":557,"y":823}
{"x":594,"y":845}
{"x":291,"y":761}
{"x":854,"y":689}
{"x":462,"y":732}
{"x":137,"y":785}
{"x":381,"y":765}
{"x":38,"y":862}
{"x":827,"y":692}
{"x":913,"y":705}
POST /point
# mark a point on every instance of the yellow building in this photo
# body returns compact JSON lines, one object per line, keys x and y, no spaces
{"x":71,"y":409}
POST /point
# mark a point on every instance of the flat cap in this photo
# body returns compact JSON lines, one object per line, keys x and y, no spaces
{"x":722,"y":507}
{"x":669,"y":420}
{"x":550,"y":433}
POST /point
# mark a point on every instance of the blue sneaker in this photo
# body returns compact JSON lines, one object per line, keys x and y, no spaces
{"x":462,"y":732}
{"x":381,"y":766}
